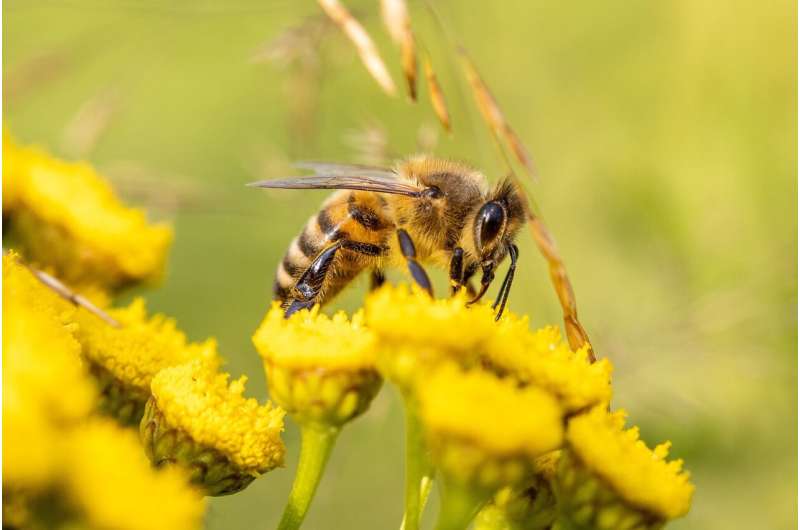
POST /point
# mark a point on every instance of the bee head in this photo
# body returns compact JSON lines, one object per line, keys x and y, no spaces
{"x":497,"y":222}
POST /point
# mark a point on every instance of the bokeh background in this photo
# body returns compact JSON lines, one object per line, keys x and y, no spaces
{"x":665,"y":135}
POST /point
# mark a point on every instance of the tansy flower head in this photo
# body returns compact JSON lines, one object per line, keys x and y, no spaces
{"x":124,"y":360}
{"x":45,"y":385}
{"x":320,"y":369}
{"x":416,"y":331}
{"x":111,"y":484}
{"x":542,"y":358}
{"x":609,"y":478}
{"x":65,"y":217}
{"x":198,"y":419}
{"x":484,"y":430}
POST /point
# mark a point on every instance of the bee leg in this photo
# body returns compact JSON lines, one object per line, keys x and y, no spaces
{"x":376,"y":279}
{"x":505,"y":288}
{"x":410,"y":253}
{"x":468,"y":274}
{"x":306,"y":290}
{"x":457,"y":270}
{"x":310,"y":283}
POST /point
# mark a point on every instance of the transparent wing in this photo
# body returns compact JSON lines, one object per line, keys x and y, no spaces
{"x":384,"y":183}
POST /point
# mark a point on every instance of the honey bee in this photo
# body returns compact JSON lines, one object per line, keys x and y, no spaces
{"x":426,"y":210}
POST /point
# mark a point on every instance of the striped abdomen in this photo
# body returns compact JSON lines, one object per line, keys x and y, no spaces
{"x":351,"y":217}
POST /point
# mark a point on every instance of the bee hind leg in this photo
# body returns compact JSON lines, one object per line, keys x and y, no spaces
{"x":414,"y":267}
{"x":306,"y":291}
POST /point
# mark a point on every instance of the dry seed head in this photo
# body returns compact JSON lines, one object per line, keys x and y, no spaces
{"x":493,"y":116}
{"x":436,"y":94}
{"x":361,"y":40}
{"x":398,"y":23}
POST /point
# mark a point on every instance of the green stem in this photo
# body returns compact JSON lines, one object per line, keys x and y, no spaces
{"x":316,"y":445}
{"x":419,"y":473}
{"x":459,"y":506}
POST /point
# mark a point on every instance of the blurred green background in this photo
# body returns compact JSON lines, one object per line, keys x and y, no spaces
{"x":665,"y":134}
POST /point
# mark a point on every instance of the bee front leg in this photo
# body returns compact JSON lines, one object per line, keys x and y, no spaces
{"x":457,"y":270}
{"x":414,"y":267}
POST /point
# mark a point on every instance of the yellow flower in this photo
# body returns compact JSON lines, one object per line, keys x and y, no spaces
{"x":542,"y":358}
{"x":417,"y":332}
{"x":110,"y":481}
{"x":620,"y":479}
{"x":45,"y":385}
{"x":197,"y":418}
{"x":320,"y":369}
{"x":65,"y":217}
{"x":485,"y":430}
{"x":124,"y":360}
{"x":402,"y":313}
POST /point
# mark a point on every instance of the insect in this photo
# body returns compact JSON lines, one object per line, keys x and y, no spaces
{"x":426,"y":210}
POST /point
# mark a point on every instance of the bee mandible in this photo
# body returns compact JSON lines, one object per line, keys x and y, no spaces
{"x":425,"y":210}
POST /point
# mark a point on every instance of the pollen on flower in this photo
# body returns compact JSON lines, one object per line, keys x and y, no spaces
{"x":311,"y":339}
{"x":639,"y":475}
{"x":542,"y":358}
{"x":496,"y":415}
{"x":67,"y":218}
{"x":135,"y":352}
{"x":111,"y":482}
{"x":197,"y":399}
{"x":402,"y":315}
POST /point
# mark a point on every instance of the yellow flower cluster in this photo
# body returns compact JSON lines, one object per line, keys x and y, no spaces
{"x":475,"y":429}
{"x":89,"y":471}
{"x":641,"y":476}
{"x":320,"y":369}
{"x":64,"y":216}
{"x":544,"y":359}
{"x":141,"y":347}
{"x":198,"y":400}
{"x":110,"y":480}
{"x":481,"y":408}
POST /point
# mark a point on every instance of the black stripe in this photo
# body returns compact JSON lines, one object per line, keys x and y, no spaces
{"x":280,"y":291}
{"x":325,"y":222}
{"x":363,"y":248}
{"x":363,"y":215}
{"x":308,"y":246}
{"x":327,"y":227}
{"x":293,"y":269}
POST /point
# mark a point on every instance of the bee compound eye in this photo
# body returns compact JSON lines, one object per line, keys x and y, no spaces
{"x":490,"y":221}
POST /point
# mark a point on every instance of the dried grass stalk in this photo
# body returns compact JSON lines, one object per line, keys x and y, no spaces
{"x":576,"y":334}
{"x":437,"y":96}
{"x":86,"y":128}
{"x":493,"y":116}
{"x":67,"y":293}
{"x":398,"y":23}
{"x":362,"y":41}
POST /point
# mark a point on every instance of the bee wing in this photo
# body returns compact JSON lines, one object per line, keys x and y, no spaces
{"x":365,"y":182}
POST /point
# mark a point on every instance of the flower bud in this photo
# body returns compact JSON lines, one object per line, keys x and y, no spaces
{"x":320,"y":369}
{"x":197,"y":420}
{"x":608,"y":479}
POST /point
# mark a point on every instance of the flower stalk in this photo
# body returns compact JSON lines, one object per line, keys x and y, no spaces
{"x":419,"y":471}
{"x":459,"y":505}
{"x":317,"y":441}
